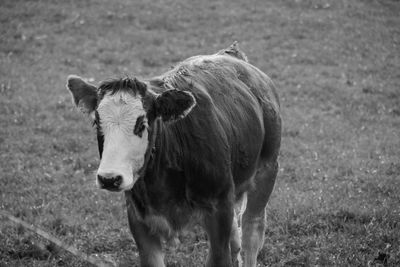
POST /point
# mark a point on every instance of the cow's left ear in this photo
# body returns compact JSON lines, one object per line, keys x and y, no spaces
{"x":174,"y":104}
{"x":83,"y":94}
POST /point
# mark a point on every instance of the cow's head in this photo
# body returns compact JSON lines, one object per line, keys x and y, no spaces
{"x":121,"y":111}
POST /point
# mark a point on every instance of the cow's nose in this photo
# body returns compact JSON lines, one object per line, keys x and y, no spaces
{"x":109,"y":181}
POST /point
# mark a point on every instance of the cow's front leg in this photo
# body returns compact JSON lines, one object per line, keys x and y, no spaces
{"x":148,"y":243}
{"x":218,"y":226}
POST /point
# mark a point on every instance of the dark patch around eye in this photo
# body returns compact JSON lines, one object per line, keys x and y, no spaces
{"x":139,"y":126}
{"x":96,"y":121}
{"x":100,"y":137}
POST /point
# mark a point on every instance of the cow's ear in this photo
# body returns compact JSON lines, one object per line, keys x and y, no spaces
{"x":174,"y":104}
{"x":83,"y":94}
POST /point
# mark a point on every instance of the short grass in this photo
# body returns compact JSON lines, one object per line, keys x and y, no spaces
{"x":336,"y":64}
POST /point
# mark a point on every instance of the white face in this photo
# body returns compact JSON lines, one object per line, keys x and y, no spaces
{"x":123,"y":150}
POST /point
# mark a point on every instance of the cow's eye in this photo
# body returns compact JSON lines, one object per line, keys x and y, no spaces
{"x":140,"y":126}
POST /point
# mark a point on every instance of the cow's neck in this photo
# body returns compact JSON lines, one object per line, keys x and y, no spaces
{"x":158,"y":165}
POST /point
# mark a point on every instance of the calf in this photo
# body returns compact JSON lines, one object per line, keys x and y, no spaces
{"x":198,"y":143}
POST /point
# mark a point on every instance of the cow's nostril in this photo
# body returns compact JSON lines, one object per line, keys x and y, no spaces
{"x":101,"y":179}
{"x":117,"y":180}
{"x":110,"y":182}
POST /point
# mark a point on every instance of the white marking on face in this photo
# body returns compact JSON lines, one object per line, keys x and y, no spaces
{"x":123,"y":151}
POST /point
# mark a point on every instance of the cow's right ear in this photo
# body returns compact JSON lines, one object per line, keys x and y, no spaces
{"x":83,"y":94}
{"x":174,"y":104}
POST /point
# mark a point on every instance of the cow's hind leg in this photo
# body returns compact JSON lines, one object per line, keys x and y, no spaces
{"x":235,"y":243}
{"x":236,"y":235}
{"x":254,"y":218}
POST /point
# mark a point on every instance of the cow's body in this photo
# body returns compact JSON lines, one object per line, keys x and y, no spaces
{"x":197,"y":165}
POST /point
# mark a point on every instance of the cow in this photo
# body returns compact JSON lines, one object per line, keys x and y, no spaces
{"x":199,"y":143}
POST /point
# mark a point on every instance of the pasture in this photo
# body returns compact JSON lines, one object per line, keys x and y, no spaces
{"x":336,"y":65}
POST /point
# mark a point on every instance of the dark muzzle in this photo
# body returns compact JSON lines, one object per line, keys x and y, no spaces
{"x":110,"y":182}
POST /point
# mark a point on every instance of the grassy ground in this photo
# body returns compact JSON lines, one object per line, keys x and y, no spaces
{"x":336,"y":64}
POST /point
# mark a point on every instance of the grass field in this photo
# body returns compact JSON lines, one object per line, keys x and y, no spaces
{"x":336,"y":64}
